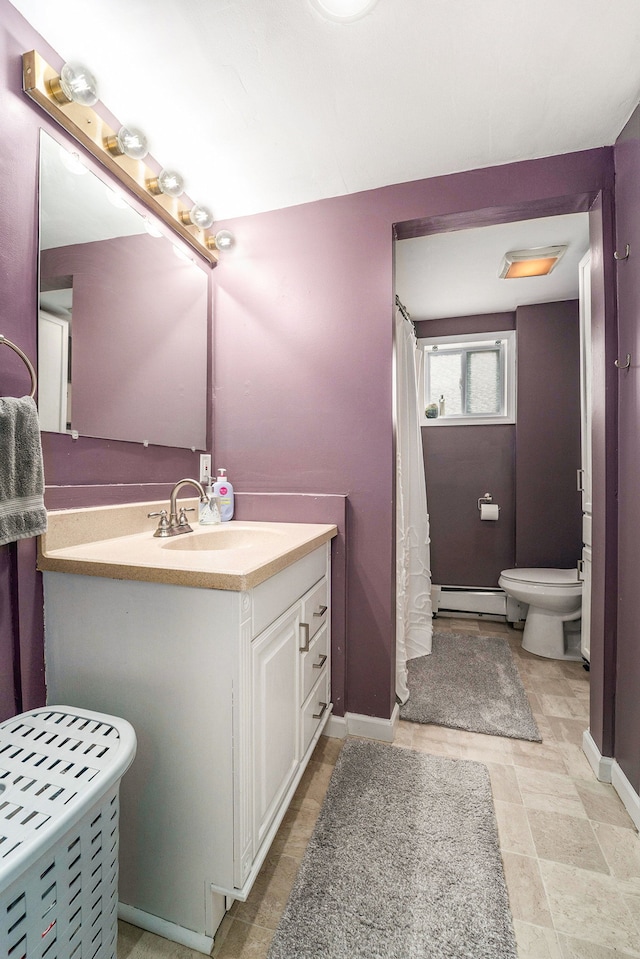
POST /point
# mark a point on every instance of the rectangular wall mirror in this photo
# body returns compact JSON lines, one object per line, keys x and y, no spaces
{"x":123,"y":315}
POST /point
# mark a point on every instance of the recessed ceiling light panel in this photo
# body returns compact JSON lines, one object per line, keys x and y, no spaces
{"x":344,"y":10}
{"x":518,"y":264}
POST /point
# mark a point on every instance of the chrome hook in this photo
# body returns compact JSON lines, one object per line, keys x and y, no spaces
{"x":626,"y":364}
{"x":623,"y":256}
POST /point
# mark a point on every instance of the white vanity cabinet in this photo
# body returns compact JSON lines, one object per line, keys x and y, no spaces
{"x":228,"y":692}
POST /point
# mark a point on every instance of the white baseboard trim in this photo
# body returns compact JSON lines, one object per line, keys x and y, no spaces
{"x":608,"y":771}
{"x":601,"y":765}
{"x":168,"y":930}
{"x":368,"y":727}
{"x":627,"y":793}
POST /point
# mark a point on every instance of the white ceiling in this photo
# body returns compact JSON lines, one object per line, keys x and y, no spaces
{"x":263,"y":104}
{"x":456,"y":274}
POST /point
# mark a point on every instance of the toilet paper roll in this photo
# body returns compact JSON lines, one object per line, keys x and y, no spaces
{"x":489,"y":511}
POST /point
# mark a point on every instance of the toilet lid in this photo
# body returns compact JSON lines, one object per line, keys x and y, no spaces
{"x":545,"y":577}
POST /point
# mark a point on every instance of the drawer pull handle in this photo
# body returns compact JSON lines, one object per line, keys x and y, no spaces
{"x":321,"y":611}
{"x":305,"y":646}
{"x":323,"y":659}
{"x":318,"y":715}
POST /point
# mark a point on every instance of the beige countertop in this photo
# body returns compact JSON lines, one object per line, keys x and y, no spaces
{"x":117,"y":542}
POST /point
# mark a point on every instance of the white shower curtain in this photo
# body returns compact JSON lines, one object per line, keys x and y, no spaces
{"x":414,"y":628}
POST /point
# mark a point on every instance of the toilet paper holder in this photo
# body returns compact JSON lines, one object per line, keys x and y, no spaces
{"x":484,"y":500}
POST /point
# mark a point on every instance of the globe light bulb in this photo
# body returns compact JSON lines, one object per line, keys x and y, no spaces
{"x":75,"y":84}
{"x":129,"y":141}
{"x":199,"y":215}
{"x":167,"y":182}
{"x":223,"y":240}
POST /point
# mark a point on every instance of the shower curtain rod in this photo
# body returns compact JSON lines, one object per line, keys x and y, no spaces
{"x":404,"y":311}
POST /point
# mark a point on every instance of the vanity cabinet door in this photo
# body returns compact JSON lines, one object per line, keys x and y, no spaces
{"x":275,"y":717}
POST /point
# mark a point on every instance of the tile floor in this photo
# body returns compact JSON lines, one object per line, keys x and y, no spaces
{"x":571,"y":854}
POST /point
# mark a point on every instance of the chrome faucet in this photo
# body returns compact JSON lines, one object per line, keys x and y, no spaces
{"x":177,"y":523}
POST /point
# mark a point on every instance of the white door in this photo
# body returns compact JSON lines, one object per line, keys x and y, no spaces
{"x":585,"y":379}
{"x":53,"y":359}
{"x":585,"y":626}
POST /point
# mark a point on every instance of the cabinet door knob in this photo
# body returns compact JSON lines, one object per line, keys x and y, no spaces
{"x":305,"y":645}
{"x":321,"y":611}
{"x":318,"y":715}
{"x":323,"y":659}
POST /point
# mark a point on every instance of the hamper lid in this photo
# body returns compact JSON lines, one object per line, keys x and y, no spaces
{"x":55,"y":763}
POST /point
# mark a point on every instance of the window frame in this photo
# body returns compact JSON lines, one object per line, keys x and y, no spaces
{"x":466,"y":343}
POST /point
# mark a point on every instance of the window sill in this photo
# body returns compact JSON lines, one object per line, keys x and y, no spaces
{"x":468,"y":421}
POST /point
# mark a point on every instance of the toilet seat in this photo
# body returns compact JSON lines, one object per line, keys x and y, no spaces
{"x":543,"y":577}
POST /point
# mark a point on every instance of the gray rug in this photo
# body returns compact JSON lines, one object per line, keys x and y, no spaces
{"x":470,"y":682}
{"x":403,"y":864}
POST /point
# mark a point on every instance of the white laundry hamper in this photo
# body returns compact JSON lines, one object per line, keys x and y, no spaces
{"x":60,"y":771}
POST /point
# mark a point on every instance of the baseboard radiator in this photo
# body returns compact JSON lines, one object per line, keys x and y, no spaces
{"x":475,"y":601}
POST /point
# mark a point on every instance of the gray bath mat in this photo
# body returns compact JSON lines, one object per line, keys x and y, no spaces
{"x":403,"y":864}
{"x":470,"y":682}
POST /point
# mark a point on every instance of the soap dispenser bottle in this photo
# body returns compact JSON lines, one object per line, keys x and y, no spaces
{"x":223,"y":489}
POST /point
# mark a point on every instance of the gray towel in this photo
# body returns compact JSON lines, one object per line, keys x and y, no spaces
{"x":22,"y":511}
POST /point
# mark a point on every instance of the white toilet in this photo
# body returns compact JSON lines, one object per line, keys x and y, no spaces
{"x":554,"y":597}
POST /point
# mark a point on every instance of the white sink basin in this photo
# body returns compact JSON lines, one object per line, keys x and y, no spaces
{"x":222,"y":537}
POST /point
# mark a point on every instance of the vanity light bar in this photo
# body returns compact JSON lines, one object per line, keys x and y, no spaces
{"x":86,"y":126}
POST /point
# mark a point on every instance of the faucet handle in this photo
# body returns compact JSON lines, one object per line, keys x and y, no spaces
{"x":182,"y":518}
{"x":163,"y":525}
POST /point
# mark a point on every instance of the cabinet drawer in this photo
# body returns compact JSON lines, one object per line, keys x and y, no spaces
{"x":286,"y":587}
{"x":315,"y":606}
{"x":313,"y":662}
{"x":315,"y":711}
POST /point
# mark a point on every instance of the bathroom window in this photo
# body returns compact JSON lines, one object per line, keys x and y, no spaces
{"x":469,"y":381}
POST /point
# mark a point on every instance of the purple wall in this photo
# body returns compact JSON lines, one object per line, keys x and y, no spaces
{"x":548,"y":505}
{"x":302,"y":360}
{"x":304,"y":321}
{"x":462,"y":464}
{"x":627,"y":723}
{"x":529,"y":468}
{"x":604,"y":474}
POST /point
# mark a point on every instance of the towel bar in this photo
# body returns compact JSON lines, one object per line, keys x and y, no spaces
{"x":27,"y":361}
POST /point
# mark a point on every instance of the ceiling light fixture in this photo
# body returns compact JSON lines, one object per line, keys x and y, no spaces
{"x":75,"y":84}
{"x":519,"y":264}
{"x":128,"y":141}
{"x":345,"y":11}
